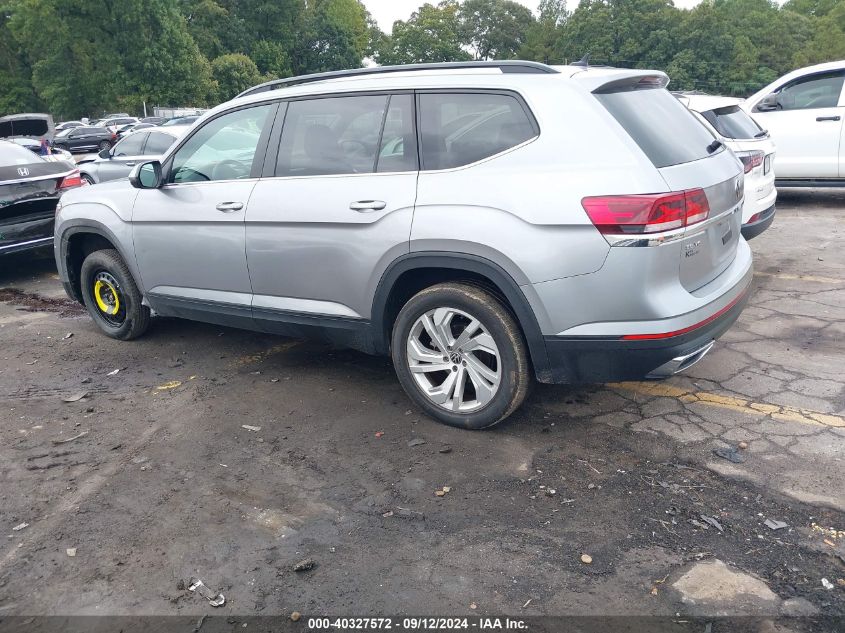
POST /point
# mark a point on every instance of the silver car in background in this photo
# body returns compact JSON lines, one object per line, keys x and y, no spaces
{"x":134,"y":148}
{"x":485,"y":224}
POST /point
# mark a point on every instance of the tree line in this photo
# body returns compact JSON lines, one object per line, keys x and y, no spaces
{"x":81,"y":57}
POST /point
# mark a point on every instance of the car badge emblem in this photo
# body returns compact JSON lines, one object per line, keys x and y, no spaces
{"x":23,"y":171}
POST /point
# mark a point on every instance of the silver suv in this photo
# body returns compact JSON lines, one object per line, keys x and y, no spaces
{"x":484,"y":224}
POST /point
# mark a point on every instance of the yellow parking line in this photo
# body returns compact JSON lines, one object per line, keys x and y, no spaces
{"x":778,"y":412}
{"x":788,"y":277}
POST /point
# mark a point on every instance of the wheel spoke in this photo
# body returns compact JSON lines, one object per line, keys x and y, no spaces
{"x":483,"y":370}
{"x":481,"y":343}
{"x":434,"y":333}
{"x":484,"y":391}
{"x":419,"y":353}
{"x":460,"y":383}
{"x":469,"y":330}
{"x":443,"y":393}
{"x":442,"y":320}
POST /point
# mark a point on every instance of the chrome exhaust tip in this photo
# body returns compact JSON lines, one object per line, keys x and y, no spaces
{"x":680,"y":363}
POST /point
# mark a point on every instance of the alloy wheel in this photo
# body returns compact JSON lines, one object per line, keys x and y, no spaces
{"x":454,"y":360}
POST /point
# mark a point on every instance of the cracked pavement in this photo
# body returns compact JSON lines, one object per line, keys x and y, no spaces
{"x":152,"y":478}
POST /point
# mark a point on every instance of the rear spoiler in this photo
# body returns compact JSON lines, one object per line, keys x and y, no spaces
{"x":603,"y":81}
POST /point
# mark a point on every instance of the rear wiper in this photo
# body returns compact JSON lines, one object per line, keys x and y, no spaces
{"x":761,"y":134}
{"x":714,"y":146}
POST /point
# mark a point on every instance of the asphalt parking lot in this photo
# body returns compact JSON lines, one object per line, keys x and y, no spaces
{"x":154,"y":478}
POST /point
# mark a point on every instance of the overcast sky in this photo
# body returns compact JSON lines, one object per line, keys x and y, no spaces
{"x":387,"y":11}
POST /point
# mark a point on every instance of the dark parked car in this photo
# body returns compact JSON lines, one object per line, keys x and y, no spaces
{"x":30,"y":188}
{"x":155,"y":120}
{"x":85,"y":139}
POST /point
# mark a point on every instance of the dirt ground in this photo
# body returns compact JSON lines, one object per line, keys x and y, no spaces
{"x":151,"y":478}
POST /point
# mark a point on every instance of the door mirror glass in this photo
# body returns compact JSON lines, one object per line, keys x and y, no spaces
{"x":146,"y":175}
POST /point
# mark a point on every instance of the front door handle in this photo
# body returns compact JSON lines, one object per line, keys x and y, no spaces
{"x":132,"y":164}
{"x":365,"y":206}
{"x":828,"y":118}
{"x":230,"y":207}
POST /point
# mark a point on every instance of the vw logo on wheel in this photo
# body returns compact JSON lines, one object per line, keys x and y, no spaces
{"x":23,"y":171}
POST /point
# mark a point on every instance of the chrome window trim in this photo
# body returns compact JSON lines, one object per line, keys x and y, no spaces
{"x":30,"y":242}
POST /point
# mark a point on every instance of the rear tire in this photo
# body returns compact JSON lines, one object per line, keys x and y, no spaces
{"x":88,"y":179}
{"x":111,"y":296}
{"x":104,"y":145}
{"x":460,"y":356}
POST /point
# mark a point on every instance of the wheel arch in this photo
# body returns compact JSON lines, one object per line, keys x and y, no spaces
{"x":79,"y":241}
{"x":411,"y":273}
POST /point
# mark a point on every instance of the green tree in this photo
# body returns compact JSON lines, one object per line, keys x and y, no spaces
{"x":335,"y":35}
{"x":494,"y":29}
{"x":87,"y":56}
{"x":210,"y":24}
{"x":16,"y":91}
{"x":544,"y":34}
{"x":234,"y":73}
{"x":432,"y":34}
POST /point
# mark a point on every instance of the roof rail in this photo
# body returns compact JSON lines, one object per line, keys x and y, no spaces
{"x":510,"y":66}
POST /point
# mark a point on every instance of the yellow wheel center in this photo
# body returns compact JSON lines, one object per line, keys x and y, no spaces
{"x":106,"y":296}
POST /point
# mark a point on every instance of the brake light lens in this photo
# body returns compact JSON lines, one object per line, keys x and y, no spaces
{"x":72,"y":180}
{"x":649,"y":213}
{"x":751,"y":159}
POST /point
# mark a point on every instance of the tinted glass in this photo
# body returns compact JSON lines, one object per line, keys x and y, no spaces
{"x":158,"y":143}
{"x":817,"y":91}
{"x":11,"y":154}
{"x":223,"y":148}
{"x":732,"y":122}
{"x":338,"y":135}
{"x":661,"y":125}
{"x":398,"y":151}
{"x":459,"y":129}
{"x":131,"y":145}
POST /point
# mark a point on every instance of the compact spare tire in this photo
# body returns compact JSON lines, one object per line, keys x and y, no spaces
{"x":111,"y":296}
{"x":459,"y":354}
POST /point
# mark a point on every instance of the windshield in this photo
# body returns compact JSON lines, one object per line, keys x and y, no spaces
{"x":732,"y":122}
{"x":661,"y":125}
{"x":11,"y":154}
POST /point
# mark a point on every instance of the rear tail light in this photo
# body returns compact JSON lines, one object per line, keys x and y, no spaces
{"x":649,"y":213}
{"x":73,"y":179}
{"x":751,"y":159}
{"x":113,"y":136}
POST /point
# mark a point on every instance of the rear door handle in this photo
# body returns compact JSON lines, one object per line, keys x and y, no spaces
{"x":828,"y":118}
{"x":365,"y":206}
{"x":130,"y":164}
{"x":230,"y":207}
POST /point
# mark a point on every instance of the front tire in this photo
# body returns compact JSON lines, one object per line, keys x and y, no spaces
{"x":111,"y":296}
{"x":460,"y":356}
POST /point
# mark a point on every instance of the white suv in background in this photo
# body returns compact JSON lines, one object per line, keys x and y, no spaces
{"x":804,"y":112}
{"x":752,"y":145}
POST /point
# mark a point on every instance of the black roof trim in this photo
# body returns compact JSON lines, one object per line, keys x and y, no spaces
{"x":510,"y":66}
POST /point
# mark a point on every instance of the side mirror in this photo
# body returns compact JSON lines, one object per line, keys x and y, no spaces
{"x":146,"y":175}
{"x":768,"y":103}
{"x":106,"y":153}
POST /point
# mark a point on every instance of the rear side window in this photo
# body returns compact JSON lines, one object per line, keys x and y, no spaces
{"x":732,"y":122}
{"x":662,"y":126}
{"x":459,"y":129}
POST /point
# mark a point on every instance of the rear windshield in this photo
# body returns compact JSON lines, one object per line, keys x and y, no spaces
{"x":661,"y":125}
{"x":11,"y":154}
{"x":732,"y":122}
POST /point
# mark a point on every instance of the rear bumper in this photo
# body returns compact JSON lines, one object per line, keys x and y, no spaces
{"x":601,"y":359}
{"x":764,"y":221}
{"x":26,"y":234}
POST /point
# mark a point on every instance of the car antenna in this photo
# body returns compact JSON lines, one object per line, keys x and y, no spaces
{"x":583,"y":62}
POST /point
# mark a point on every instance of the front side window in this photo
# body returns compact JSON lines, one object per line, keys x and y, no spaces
{"x":131,"y":145}
{"x":158,"y":143}
{"x":335,"y":135}
{"x":459,"y":129}
{"x":222,"y":149}
{"x":817,"y":91}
